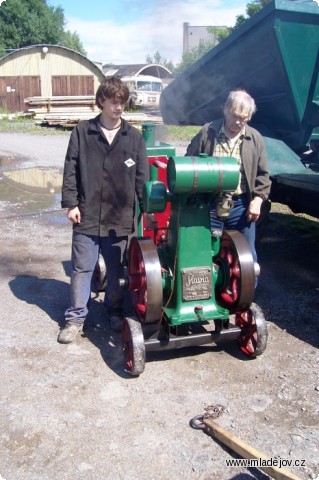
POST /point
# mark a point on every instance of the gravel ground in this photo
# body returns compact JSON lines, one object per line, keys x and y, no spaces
{"x":71,"y":412}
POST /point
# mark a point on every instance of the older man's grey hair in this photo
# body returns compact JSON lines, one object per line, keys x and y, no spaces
{"x":241,"y":102}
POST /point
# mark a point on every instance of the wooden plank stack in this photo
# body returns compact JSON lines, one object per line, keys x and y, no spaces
{"x":67,"y":111}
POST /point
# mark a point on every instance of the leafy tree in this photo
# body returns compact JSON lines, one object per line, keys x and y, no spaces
{"x":251,"y":8}
{"x":240,"y":20}
{"x":72,"y":40}
{"x":188,"y":57}
{"x":219,"y":33}
{"x":33,"y":22}
{"x":192,"y":55}
{"x":157,"y":58}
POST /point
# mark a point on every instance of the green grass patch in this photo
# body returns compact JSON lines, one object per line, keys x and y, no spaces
{"x":166,"y":133}
{"x":174,"y":134}
{"x":25,"y":124}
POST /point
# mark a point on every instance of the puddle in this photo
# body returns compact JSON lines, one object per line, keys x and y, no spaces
{"x":29,"y":190}
{"x":8,"y":159}
{"x":34,"y":180}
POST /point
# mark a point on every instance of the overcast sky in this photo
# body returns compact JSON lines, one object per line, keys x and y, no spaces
{"x":126,"y":31}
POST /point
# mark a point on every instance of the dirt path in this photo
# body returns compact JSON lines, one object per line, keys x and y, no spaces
{"x":71,"y":412}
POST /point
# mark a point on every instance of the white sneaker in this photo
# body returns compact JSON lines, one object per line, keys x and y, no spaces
{"x":69,"y":332}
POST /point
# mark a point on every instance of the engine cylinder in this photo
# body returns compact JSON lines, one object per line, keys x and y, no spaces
{"x":202,"y":174}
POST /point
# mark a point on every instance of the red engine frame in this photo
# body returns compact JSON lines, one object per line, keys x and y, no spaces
{"x":154,"y":225}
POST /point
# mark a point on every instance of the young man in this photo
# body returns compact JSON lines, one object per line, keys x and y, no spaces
{"x":105,"y":168}
{"x":232,"y":137}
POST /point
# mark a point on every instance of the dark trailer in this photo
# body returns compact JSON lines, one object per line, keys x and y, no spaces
{"x":274,"y":56}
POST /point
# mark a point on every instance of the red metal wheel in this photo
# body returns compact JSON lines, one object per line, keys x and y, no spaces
{"x":133,"y":346}
{"x":254,"y":333}
{"x":145,"y":280}
{"x":235,"y":258}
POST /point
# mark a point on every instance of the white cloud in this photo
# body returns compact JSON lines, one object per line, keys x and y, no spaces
{"x":116,"y":43}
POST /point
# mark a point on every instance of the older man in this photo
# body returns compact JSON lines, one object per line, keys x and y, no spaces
{"x":233,"y":137}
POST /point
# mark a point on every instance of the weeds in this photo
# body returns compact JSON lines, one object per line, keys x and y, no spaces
{"x":25,"y":124}
{"x":165,"y":133}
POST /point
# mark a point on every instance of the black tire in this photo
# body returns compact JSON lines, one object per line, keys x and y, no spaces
{"x":99,"y":275}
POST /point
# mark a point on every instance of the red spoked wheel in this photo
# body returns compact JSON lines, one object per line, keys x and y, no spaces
{"x":235,"y":258}
{"x":145,"y":280}
{"x":133,"y":346}
{"x":254,"y":332}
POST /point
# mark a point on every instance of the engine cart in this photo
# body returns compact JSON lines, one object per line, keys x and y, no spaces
{"x":189,"y":285}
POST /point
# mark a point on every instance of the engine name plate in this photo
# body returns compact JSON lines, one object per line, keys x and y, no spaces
{"x":196,"y":283}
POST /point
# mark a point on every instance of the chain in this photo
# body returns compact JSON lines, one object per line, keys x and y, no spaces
{"x":211,"y":411}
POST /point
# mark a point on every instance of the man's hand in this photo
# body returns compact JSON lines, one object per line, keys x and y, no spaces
{"x":74,"y":214}
{"x":253,"y":211}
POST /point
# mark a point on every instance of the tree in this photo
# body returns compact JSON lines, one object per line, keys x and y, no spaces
{"x":219,"y":33}
{"x":194,"y":54}
{"x":72,"y":40}
{"x":157,"y":58}
{"x":33,"y":22}
{"x":251,"y":8}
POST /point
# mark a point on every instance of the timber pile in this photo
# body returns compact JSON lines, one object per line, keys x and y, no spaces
{"x":61,"y":110}
{"x":68,"y":111}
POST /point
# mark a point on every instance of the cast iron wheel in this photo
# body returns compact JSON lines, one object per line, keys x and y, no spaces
{"x":254,"y":332}
{"x":145,"y":280}
{"x":133,"y":346}
{"x":236,"y":259}
{"x":99,"y":275}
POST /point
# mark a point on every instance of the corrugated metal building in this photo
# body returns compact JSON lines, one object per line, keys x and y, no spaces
{"x":152,"y":69}
{"x":48,"y":72}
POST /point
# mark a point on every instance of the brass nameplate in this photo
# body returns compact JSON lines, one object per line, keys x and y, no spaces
{"x":197,"y":283}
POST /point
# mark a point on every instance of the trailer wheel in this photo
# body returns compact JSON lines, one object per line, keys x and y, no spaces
{"x":254,"y":332}
{"x":99,"y":275}
{"x":133,"y":347}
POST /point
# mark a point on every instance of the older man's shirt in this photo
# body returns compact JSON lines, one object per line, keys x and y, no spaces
{"x":225,"y":147}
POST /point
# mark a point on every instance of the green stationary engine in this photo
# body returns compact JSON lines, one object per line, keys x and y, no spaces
{"x":186,"y":288}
